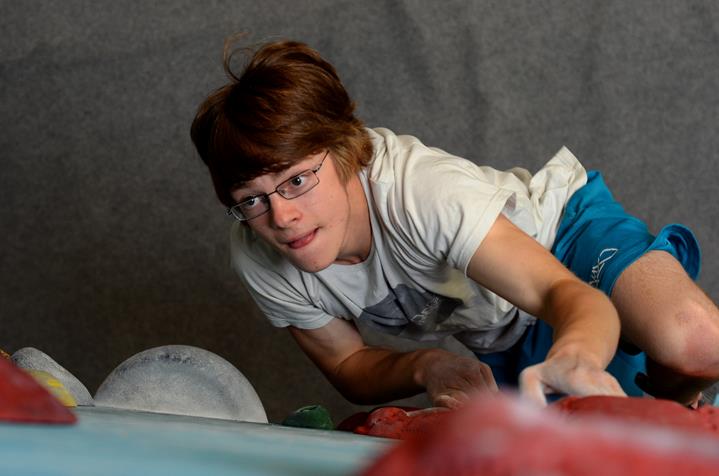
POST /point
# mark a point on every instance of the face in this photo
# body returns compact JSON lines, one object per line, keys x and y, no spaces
{"x":328,"y":224}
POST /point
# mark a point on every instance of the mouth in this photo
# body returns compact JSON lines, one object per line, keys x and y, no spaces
{"x":302,"y":241}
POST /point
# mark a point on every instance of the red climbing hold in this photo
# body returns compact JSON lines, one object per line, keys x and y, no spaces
{"x":658,"y":412}
{"x":394,"y":422}
{"x":22,"y":399}
{"x":501,"y":435}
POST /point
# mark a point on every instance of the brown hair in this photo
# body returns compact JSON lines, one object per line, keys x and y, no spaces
{"x":288,"y":103}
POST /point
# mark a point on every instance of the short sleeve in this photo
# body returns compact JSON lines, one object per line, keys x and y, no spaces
{"x":461,"y":208}
{"x":441,"y":206}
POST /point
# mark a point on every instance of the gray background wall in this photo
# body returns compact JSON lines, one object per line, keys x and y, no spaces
{"x":112,"y":241}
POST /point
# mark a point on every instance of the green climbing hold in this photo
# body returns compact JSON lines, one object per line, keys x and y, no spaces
{"x":312,"y":416}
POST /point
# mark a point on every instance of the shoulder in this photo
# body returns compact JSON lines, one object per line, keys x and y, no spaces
{"x":407,"y":173}
{"x":431,"y":203}
{"x":406,"y":160}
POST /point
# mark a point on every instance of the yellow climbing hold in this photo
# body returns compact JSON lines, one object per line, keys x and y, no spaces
{"x":4,"y":354}
{"x":54,"y":386}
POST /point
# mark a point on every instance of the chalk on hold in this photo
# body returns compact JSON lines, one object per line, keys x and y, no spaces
{"x":182,"y":380}
{"x":30,"y":358}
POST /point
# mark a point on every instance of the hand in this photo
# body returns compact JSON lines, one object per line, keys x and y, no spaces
{"x":570,"y":374}
{"x":450,"y":379}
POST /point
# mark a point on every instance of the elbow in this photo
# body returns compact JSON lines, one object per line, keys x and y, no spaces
{"x":695,"y":353}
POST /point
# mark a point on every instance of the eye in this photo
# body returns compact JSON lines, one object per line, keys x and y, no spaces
{"x":250,"y":202}
{"x":298,"y":180}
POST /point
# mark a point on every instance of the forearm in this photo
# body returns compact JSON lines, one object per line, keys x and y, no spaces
{"x":375,"y":375}
{"x":584,"y":320}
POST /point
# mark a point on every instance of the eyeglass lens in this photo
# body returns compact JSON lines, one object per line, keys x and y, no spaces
{"x":289,"y":189}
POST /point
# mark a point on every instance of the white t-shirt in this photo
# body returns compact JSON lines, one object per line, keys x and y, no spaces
{"x":429,"y":212}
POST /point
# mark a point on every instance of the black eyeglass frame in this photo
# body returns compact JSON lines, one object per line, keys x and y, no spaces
{"x":239,"y":216}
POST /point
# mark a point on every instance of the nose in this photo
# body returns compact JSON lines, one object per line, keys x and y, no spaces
{"x":283,"y":212}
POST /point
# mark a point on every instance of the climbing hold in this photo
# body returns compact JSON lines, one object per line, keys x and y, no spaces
{"x":54,"y":386}
{"x":183,"y":380}
{"x":498,"y":435}
{"x":29,"y":358}
{"x":312,"y":416}
{"x":22,"y":399}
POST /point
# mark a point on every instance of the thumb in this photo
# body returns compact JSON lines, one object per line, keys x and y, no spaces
{"x":451,"y":400}
{"x":531,"y":386}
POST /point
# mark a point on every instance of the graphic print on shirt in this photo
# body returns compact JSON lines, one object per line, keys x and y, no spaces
{"x":605,"y":255}
{"x":407,"y":307}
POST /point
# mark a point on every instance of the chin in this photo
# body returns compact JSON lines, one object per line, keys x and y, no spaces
{"x":312,"y":263}
{"x":312,"y":259}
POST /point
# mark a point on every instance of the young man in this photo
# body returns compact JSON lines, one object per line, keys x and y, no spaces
{"x":339,"y":223}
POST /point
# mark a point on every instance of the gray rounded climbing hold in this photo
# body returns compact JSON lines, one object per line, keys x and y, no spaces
{"x":182,"y":380}
{"x":30,"y":358}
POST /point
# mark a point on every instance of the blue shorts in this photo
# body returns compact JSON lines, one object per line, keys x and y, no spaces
{"x":597,"y":240}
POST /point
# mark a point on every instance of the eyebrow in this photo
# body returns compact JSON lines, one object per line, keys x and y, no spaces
{"x":246,"y":190}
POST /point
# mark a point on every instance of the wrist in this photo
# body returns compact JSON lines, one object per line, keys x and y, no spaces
{"x":582,"y":353}
{"x":424,"y":360}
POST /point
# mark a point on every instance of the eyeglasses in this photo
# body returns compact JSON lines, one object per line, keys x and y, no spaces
{"x":293,"y":187}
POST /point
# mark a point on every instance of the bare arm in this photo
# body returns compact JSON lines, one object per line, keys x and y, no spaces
{"x":372,"y":375}
{"x":585,"y":322}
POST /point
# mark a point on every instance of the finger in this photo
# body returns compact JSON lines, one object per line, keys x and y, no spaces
{"x":615,"y":388}
{"x":446,"y":401}
{"x":488,"y":378}
{"x":695,"y":402}
{"x":451,"y":400}
{"x":603,"y":384}
{"x":531,"y":386}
